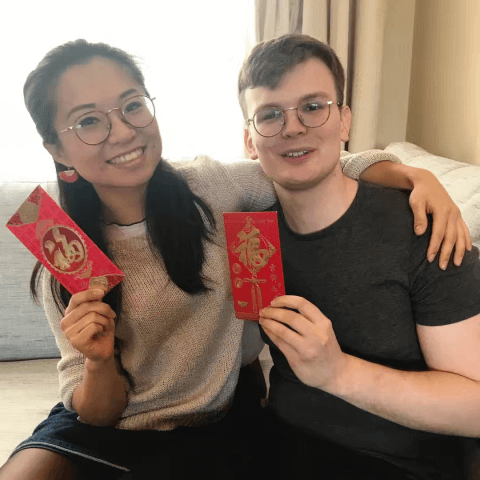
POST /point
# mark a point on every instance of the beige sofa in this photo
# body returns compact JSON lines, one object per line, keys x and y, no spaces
{"x":28,"y":354}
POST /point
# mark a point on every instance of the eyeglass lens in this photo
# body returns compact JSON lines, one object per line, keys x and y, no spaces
{"x":313,"y":112}
{"x":93,"y":127}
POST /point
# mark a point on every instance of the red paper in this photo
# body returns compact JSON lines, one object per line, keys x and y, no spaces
{"x":255,"y":261}
{"x":57,"y":241}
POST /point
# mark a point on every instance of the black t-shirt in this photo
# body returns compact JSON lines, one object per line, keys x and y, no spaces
{"x":369,"y":275}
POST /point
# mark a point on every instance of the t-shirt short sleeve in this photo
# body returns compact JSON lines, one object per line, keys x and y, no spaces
{"x":443,"y":297}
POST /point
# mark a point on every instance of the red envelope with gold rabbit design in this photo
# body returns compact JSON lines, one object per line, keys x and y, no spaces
{"x":57,"y":241}
{"x":255,"y":261}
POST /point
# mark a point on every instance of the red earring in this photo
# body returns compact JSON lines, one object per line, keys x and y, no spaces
{"x":69,"y":176}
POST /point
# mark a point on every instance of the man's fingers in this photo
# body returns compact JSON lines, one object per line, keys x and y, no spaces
{"x":293,"y":302}
{"x":85,"y":296}
{"x":281,"y":336}
{"x":294,"y":322}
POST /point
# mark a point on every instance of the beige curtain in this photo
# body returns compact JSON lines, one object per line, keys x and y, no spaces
{"x":277,"y":17}
{"x":373,"y":39}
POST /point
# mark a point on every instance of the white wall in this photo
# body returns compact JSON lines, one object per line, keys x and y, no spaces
{"x":444,"y":90}
{"x":191,"y":54}
{"x":396,"y":70}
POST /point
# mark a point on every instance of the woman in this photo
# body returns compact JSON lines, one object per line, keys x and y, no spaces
{"x":145,"y":363}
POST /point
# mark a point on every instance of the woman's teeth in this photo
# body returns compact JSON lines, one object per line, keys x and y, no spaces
{"x":126,"y":158}
{"x":297,"y":154}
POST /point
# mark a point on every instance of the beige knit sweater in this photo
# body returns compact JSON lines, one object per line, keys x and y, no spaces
{"x":182,"y":352}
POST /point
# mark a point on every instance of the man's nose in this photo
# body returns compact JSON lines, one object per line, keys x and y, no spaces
{"x":293,"y":125}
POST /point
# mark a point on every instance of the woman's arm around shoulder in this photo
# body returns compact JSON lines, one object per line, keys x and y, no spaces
{"x":428,"y":197}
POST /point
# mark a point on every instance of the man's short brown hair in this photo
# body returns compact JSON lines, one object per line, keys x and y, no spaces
{"x":269,"y":61}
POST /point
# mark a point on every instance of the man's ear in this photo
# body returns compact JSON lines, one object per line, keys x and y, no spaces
{"x":57,"y":153}
{"x":247,"y":140}
{"x":345,"y":121}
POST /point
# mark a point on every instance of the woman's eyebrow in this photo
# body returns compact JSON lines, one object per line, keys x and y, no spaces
{"x":80,"y":107}
{"x":128,"y":92}
{"x":124,"y":94}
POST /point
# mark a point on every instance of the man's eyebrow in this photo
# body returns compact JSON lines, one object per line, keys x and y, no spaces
{"x":126,"y":93}
{"x":307,"y":96}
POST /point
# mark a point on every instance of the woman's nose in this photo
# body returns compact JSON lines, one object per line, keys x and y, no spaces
{"x":120,"y":131}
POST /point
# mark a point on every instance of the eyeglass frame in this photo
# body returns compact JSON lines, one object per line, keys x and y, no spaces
{"x":72,"y":127}
{"x":329,"y":103}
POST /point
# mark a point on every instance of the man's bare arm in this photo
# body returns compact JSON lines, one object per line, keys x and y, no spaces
{"x":444,"y":400}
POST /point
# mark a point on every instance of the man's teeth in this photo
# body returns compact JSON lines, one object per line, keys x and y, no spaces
{"x":297,"y":154}
{"x":126,"y":158}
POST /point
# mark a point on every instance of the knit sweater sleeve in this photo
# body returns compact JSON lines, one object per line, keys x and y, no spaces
{"x":70,"y":367}
{"x":354,"y":164}
{"x":246,"y":180}
{"x":258,"y":189}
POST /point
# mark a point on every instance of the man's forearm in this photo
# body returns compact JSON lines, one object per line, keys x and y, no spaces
{"x":439,"y":402}
{"x":101,"y":397}
{"x":390,"y":174}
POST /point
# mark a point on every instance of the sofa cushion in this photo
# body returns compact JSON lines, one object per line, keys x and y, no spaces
{"x":24,"y":330}
{"x":461,"y":180}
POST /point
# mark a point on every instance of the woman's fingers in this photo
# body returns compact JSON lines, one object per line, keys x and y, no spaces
{"x":90,"y":331}
{"x":91,"y":318}
{"x":419,"y":211}
{"x":461,"y":244}
{"x":82,"y":297}
{"x":84,"y":309}
{"x":450,"y":238}
{"x":468,"y":238}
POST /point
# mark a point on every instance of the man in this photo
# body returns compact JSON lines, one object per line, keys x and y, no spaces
{"x":376,"y":351}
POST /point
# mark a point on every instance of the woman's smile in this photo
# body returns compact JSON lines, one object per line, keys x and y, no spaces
{"x":127,"y":157}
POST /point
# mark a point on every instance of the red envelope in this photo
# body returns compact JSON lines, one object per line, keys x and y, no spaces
{"x":57,"y":241}
{"x":255,"y":261}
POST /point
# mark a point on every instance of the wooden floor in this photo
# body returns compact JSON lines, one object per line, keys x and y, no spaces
{"x":28,"y":391}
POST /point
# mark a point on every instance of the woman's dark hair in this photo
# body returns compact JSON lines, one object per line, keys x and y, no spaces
{"x":175,"y":227}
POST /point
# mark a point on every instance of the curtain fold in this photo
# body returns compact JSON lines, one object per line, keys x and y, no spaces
{"x":274,"y":18}
{"x":357,"y":31}
{"x":364,"y":96}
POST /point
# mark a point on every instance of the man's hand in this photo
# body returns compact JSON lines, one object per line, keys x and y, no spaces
{"x":449,"y":230}
{"x":311,"y":350}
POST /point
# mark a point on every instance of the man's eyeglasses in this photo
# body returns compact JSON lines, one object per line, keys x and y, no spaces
{"x":94,"y":127}
{"x":313,"y":113}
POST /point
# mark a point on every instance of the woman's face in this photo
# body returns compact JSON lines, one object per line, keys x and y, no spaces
{"x":129,"y":156}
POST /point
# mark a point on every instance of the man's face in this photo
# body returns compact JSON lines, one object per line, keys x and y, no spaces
{"x":279,"y":155}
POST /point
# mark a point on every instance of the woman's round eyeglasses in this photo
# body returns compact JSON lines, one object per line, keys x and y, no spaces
{"x":313,"y":113}
{"x":94,"y":127}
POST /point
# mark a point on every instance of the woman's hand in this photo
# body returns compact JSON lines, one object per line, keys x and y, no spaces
{"x":428,"y":197}
{"x":89,"y":325}
{"x":449,"y":230}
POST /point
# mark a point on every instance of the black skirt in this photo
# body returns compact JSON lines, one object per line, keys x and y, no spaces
{"x":221,"y":450}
